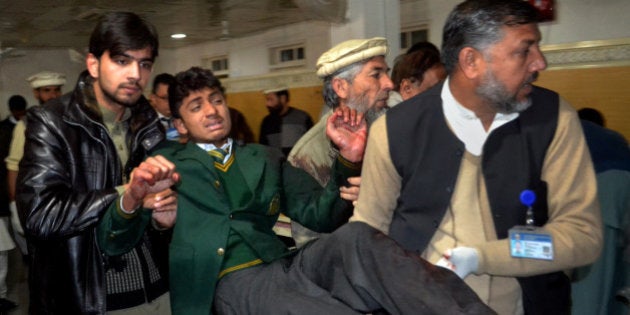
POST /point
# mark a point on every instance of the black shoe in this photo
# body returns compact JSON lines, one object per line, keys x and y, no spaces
{"x":6,"y":305}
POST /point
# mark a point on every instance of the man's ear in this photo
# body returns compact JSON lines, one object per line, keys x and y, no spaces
{"x":92,"y":64}
{"x":341,"y":87}
{"x":179,"y":125}
{"x":152,"y":100}
{"x":471,"y":62}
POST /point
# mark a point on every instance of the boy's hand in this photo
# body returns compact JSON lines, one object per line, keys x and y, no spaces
{"x":351,"y":192}
{"x":164,"y":205}
{"x":154,"y":175}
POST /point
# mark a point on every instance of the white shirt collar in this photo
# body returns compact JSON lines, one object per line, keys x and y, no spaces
{"x":466,"y":125}
{"x":227,"y":147}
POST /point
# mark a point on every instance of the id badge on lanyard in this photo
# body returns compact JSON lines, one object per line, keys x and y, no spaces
{"x":530,"y":241}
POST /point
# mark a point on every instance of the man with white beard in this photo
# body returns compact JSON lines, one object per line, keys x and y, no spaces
{"x":355,"y":75}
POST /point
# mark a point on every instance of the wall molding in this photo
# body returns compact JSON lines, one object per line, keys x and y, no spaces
{"x":588,"y":54}
{"x":259,"y":83}
{"x":585,"y":54}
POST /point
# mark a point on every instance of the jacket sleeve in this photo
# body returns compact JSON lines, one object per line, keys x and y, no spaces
{"x":52,"y":204}
{"x":318,"y":208}
{"x":574,"y":223}
{"x":119,"y":232}
{"x":380,"y":181}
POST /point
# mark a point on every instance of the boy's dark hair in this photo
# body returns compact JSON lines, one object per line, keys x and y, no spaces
{"x":193,"y":79}
{"x":162,"y":78}
{"x":415,"y":64}
{"x":592,"y":115}
{"x":423,"y":46}
{"x":122,"y":31}
{"x":17,"y":102}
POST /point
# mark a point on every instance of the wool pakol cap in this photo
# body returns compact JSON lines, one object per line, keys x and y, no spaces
{"x":275,"y":89}
{"x":349,"y":52}
{"x":46,"y":78}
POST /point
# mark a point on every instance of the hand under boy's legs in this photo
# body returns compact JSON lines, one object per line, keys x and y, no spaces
{"x":368,"y":271}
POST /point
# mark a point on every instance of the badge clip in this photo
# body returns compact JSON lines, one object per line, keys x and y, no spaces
{"x":529,"y":241}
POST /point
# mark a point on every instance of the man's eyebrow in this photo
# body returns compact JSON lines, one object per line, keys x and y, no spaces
{"x":380,"y":68}
{"x":196,"y":99}
{"x":125,"y":55}
{"x":530,"y":42}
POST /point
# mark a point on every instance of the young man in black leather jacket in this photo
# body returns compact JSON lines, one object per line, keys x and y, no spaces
{"x":80,"y":151}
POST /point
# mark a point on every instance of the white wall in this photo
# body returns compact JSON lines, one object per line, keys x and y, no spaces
{"x":250,"y":56}
{"x":14,"y":71}
{"x":583,"y":20}
{"x":367,"y":19}
{"x":576,"y":20}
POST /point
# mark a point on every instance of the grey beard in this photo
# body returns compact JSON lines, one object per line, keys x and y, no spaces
{"x":494,"y":92}
{"x":372,"y":114}
{"x":360,"y":104}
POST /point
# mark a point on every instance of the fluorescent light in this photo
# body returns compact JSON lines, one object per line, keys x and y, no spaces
{"x":178,"y":36}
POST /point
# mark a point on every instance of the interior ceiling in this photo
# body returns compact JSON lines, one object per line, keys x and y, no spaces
{"x":51,"y":24}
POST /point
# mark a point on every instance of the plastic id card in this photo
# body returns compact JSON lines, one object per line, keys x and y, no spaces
{"x":530,"y":242}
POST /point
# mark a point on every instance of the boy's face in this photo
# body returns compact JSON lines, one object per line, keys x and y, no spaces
{"x":205,"y":117}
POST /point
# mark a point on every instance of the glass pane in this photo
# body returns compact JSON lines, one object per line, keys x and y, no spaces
{"x":418,"y":36}
{"x":300,"y":53}
{"x":286,"y":55}
{"x":403,"y":41}
{"x":216,"y":65}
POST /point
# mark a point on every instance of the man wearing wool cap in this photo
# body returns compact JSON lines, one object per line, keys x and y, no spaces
{"x":355,"y":75}
{"x":46,"y":86}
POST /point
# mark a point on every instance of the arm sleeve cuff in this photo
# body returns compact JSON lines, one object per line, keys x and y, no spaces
{"x":346,"y":168}
{"x":121,"y":211}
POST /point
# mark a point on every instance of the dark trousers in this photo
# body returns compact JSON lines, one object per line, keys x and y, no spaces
{"x":354,"y":270}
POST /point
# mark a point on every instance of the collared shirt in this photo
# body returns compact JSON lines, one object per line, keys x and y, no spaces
{"x":466,"y":125}
{"x":227,"y":147}
{"x":117,"y":131}
{"x":167,"y":122}
{"x":169,"y":127}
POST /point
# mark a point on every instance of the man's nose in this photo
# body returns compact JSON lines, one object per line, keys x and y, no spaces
{"x":386,"y":83}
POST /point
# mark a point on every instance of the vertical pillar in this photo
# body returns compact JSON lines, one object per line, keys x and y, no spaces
{"x":371,"y":18}
{"x":439,"y":11}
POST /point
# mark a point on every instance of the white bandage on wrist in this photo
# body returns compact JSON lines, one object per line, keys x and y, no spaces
{"x":461,"y":260}
{"x":123,"y":208}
